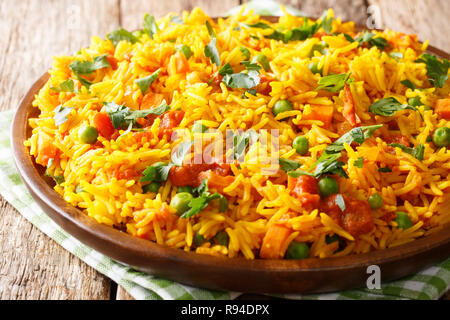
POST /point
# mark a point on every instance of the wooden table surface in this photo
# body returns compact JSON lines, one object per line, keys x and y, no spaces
{"x":32,"y":266}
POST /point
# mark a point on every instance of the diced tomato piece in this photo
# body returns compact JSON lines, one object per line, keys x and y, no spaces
{"x":181,"y":63}
{"x":45,"y":148}
{"x":103,"y":124}
{"x":349,"y":112}
{"x":442,"y":108}
{"x":321,"y":113}
{"x":264,"y":85}
{"x":356,"y":218}
{"x":306,"y":190}
{"x":215,"y":181}
{"x":273,"y":241}
{"x":151,"y":100}
{"x":126,"y":174}
{"x":112,"y":61}
{"x":170,"y":120}
{"x":190,"y":174}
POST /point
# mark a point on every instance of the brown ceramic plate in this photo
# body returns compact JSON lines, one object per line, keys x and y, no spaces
{"x":251,"y":276}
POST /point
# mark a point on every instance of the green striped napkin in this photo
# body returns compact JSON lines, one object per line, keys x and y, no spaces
{"x":428,"y":284}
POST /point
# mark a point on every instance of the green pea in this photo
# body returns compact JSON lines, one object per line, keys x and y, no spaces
{"x":415,"y":102}
{"x":263,"y":60}
{"x":222,"y":238}
{"x":328,"y":186}
{"x":281,"y":106}
{"x":199,"y":127}
{"x":198,"y":239}
{"x":403,"y":220}
{"x":297,"y":250}
{"x":441,"y":137}
{"x":152,"y":187}
{"x":301,"y":145}
{"x":180,"y":202}
{"x":186,"y":51}
{"x":314,"y":68}
{"x":88,"y":135}
{"x":187,"y":189}
{"x":375,"y":201}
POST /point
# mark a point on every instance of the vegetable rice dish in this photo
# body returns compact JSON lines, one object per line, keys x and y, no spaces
{"x":250,"y":137}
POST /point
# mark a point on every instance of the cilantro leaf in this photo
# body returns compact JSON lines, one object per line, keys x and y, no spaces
{"x":83,"y":81}
{"x":437,"y":71}
{"x":242,"y":80}
{"x":250,"y":91}
{"x":65,"y":86}
{"x":334,"y":82}
{"x":289,"y":165}
{"x":121,"y":35}
{"x":326,"y":22}
{"x":358,"y":135}
{"x":359,"y":163}
{"x":212,"y":53}
{"x":226,"y":69}
{"x":329,"y":164}
{"x":144,"y":83}
{"x":88,"y":67}
{"x":384,"y":169}
{"x":407,"y":83}
{"x":122,"y":116}
{"x":417,"y":152}
{"x":245,"y":52}
{"x":298,"y":173}
{"x":259,"y":25}
{"x":211,"y":32}
{"x":61,"y":114}
{"x":369,"y":39}
{"x":388,"y":106}
{"x":156,"y":173}
{"x":150,"y":26}
{"x":251,"y":66}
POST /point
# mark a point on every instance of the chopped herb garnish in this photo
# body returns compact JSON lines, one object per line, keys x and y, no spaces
{"x":226,"y":69}
{"x":396,"y":55}
{"x":203,"y":199}
{"x":150,"y":26}
{"x":358,"y":135}
{"x":334,"y":82}
{"x":251,"y":66}
{"x":417,"y":152}
{"x":259,"y":25}
{"x":65,"y":86}
{"x":245,"y":52}
{"x":359,"y":163}
{"x":122,"y":116}
{"x":384,"y":169}
{"x":186,"y":51}
{"x":327,"y":22}
{"x":88,"y":67}
{"x":61,"y":114}
{"x":242,"y":80}
{"x":144,"y":83}
{"x":388,"y":106}
{"x":369,"y":39}
{"x":212,"y":53}
{"x":407,"y":83}
{"x":289,"y":165}
{"x":121,"y":35}
{"x":250,"y":91}
{"x":437,"y":71}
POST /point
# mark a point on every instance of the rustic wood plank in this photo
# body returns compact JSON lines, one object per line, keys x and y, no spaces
{"x":122,"y":294}
{"x":32,"y":265}
{"x":132,"y":11}
{"x":426,"y":18}
{"x":354,"y":10}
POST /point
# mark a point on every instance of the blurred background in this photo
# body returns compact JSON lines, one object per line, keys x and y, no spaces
{"x":32,"y":266}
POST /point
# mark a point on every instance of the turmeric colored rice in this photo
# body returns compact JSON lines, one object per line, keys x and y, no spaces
{"x":108,"y":115}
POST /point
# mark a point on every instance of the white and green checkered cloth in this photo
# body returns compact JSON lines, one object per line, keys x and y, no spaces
{"x":428,"y":284}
